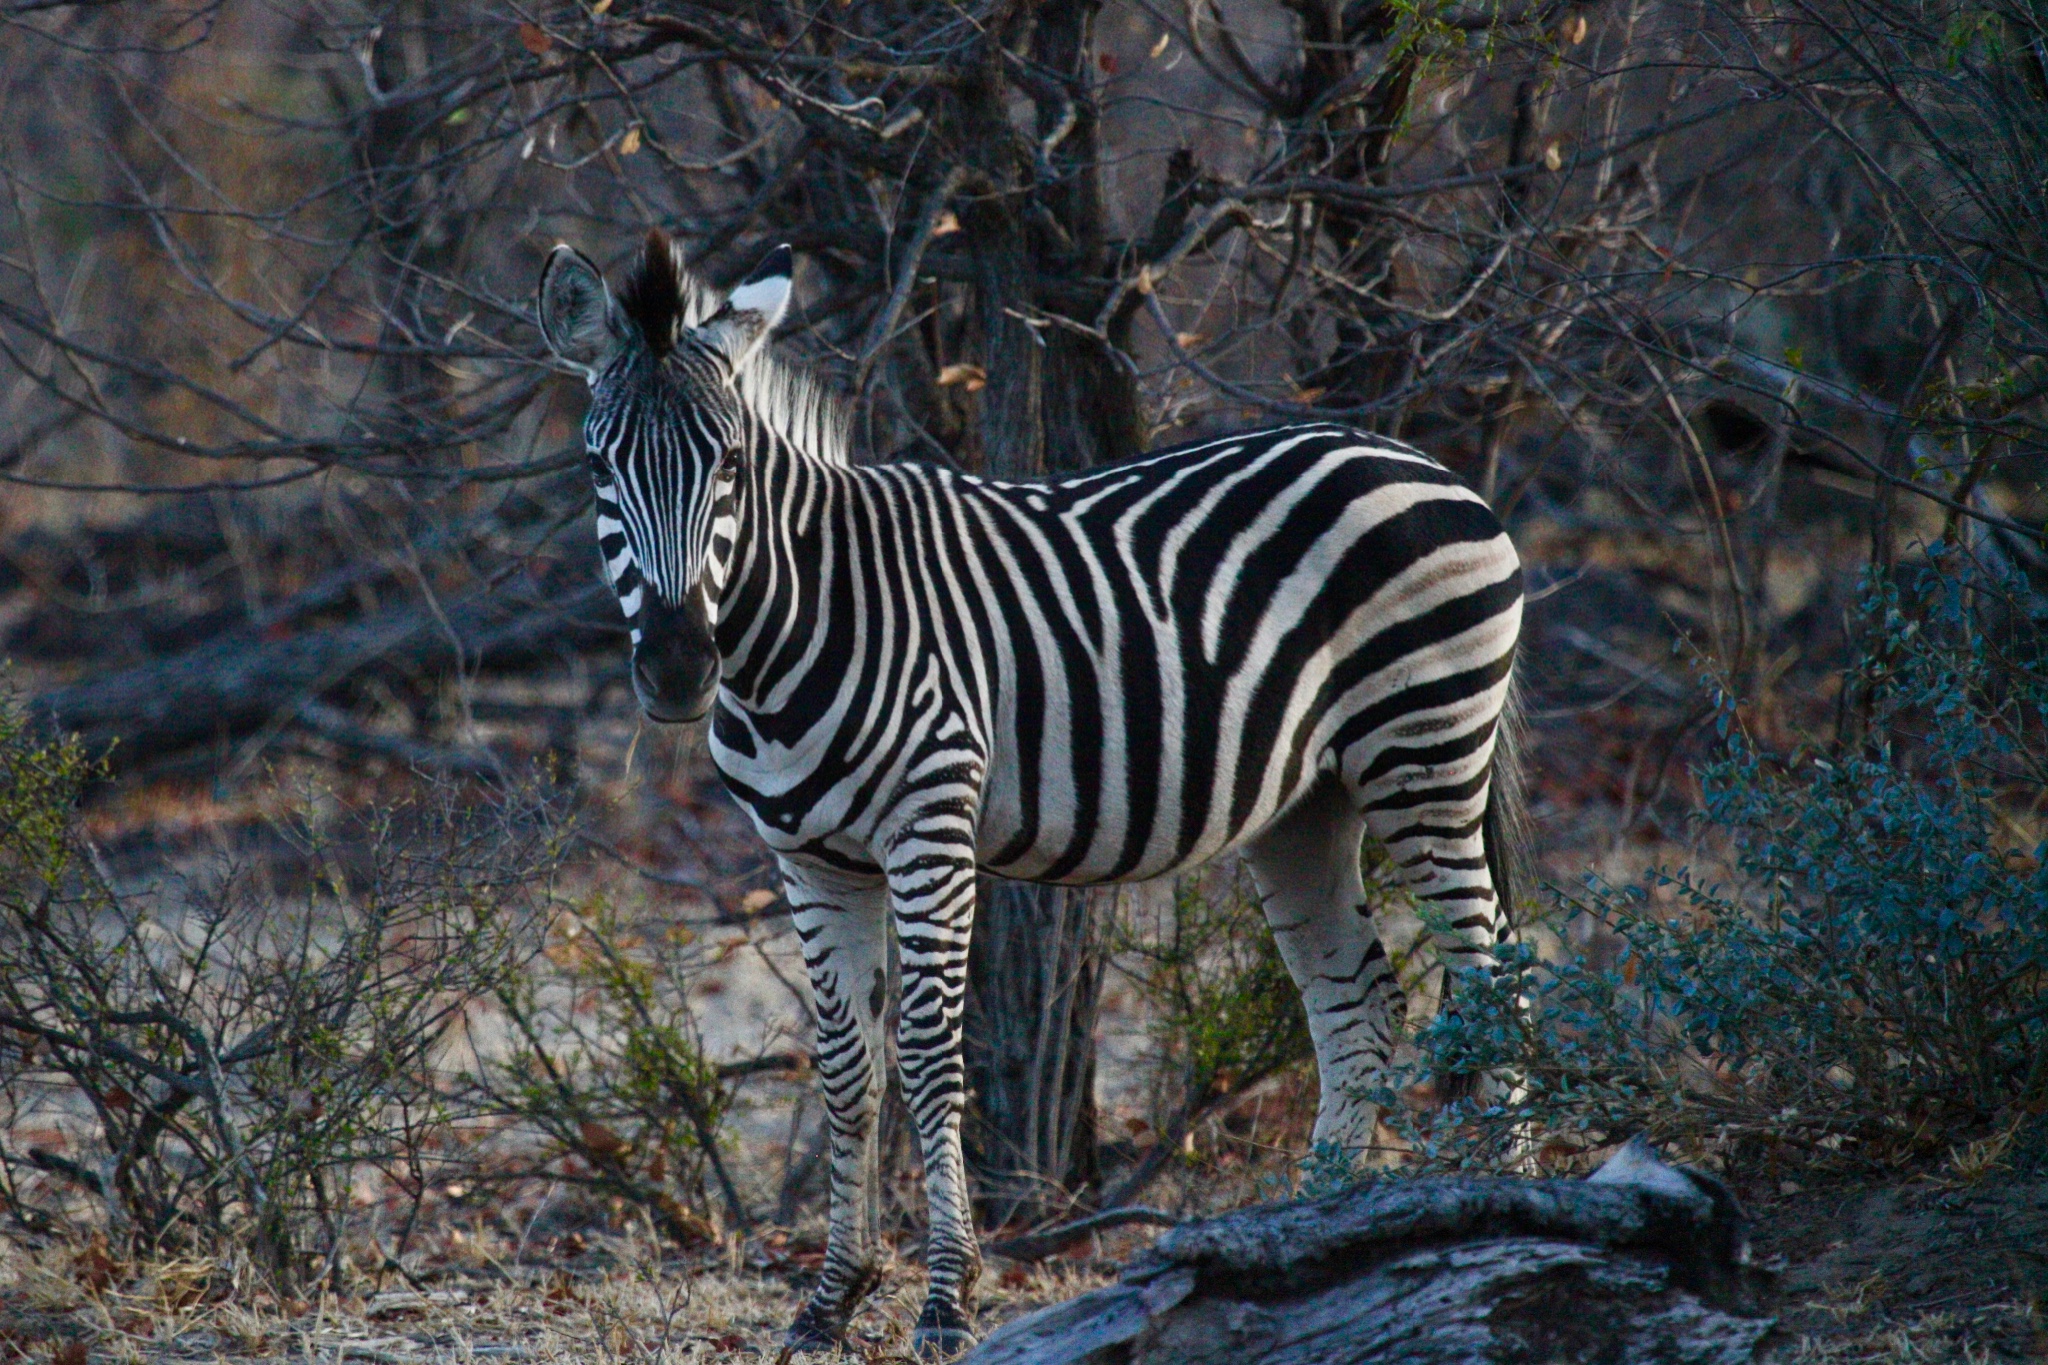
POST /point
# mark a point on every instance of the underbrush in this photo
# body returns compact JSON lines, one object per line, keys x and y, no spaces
{"x":606,"y":1068}
{"x":1224,"y":1018}
{"x":283,"y":1072}
{"x":215,"y":1064}
{"x":1870,"y":986}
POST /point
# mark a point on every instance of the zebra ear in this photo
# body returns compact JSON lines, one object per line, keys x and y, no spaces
{"x":578,"y":315}
{"x":756,"y":306}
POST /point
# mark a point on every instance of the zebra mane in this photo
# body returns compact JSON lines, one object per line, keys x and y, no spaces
{"x":798,"y":406}
{"x":663,"y":299}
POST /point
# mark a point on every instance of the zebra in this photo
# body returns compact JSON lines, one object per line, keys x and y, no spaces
{"x":1274,"y":642}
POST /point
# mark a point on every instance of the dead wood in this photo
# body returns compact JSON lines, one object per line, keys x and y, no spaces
{"x":1037,"y":1246}
{"x":1642,"y":1262}
{"x":242,"y":680}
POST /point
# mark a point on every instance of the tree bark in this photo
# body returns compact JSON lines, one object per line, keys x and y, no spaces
{"x":1054,"y":402}
{"x":1034,"y":978}
{"x":1642,"y":1263}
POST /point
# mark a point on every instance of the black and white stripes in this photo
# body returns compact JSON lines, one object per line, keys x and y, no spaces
{"x":1275,"y":642}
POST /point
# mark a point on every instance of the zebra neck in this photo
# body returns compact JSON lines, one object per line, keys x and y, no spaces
{"x":775,"y":598}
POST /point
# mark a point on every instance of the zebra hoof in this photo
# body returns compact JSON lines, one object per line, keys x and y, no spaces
{"x":821,"y":1323}
{"x":942,"y":1333}
{"x":816,"y":1329}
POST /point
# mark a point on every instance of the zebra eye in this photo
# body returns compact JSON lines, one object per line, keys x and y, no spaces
{"x":730,"y":463}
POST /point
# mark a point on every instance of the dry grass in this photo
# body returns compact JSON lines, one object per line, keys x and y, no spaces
{"x":617,"y":1304}
{"x":2001,"y":1332}
{"x":615,"y":1301}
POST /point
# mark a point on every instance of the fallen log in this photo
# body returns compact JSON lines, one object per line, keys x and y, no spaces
{"x":243,"y":680}
{"x":1643,"y":1262}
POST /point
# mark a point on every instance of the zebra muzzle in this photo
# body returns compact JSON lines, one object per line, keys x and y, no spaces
{"x":675,"y":664}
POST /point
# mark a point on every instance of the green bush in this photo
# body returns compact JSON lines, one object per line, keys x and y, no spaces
{"x":1873,"y":984}
{"x":1224,"y":1015}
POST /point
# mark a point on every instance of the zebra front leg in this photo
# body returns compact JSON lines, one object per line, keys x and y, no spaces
{"x":845,"y":933}
{"x":931,"y":888}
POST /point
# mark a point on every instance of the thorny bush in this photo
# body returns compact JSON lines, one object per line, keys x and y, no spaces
{"x":606,"y":1065}
{"x":211,"y":1067}
{"x":1872,"y":986}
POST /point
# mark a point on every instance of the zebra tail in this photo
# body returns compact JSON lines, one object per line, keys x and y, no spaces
{"x":1506,"y":823}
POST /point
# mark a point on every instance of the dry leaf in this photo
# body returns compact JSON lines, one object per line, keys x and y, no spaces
{"x":600,"y":1139}
{"x":972,"y":377}
{"x":1160,"y":46}
{"x":1143,"y":284}
{"x":760,"y":898}
{"x":95,"y":1265}
{"x":534,"y":38}
{"x":601,"y":6}
{"x":1187,"y":341}
{"x":1575,"y":29}
{"x":1553,"y":159}
{"x":563,"y":1292}
{"x":691,"y":1226}
{"x":1308,"y":395}
{"x":945,"y":223}
{"x":630,"y":143}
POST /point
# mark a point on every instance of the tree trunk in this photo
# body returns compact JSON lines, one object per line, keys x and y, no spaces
{"x":1034,"y":975}
{"x":1054,"y":401}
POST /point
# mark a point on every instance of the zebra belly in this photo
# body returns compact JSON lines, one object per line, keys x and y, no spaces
{"x":1106,"y":861}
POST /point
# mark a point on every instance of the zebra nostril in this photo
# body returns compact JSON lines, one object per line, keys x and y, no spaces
{"x":649,"y":677}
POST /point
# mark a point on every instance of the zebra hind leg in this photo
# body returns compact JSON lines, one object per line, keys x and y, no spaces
{"x":1307,"y":870}
{"x":845,"y":943}
{"x":1435,"y":837}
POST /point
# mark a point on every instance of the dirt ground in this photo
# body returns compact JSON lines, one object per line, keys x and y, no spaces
{"x":1931,"y":1269}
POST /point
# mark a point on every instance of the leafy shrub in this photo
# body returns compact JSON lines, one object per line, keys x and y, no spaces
{"x":608,"y":1068}
{"x":222,"y":1061}
{"x":1224,"y":1015}
{"x":1875,"y":981}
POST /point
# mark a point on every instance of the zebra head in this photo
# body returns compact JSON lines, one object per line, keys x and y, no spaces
{"x":668,"y":436}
